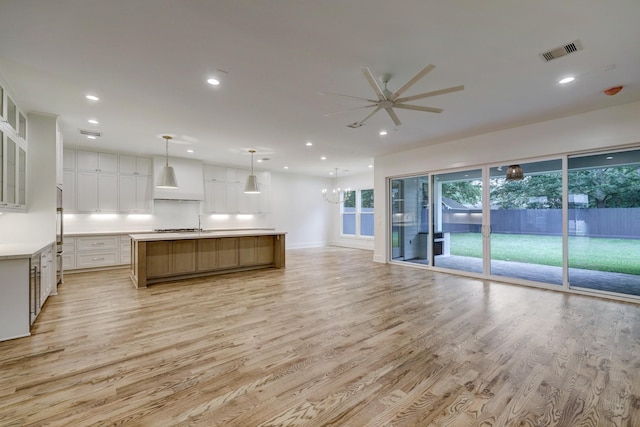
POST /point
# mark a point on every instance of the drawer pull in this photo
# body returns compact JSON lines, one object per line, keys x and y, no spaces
{"x":97,"y":243}
{"x":97,"y":259}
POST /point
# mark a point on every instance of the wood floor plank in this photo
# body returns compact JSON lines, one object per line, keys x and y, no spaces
{"x":333,"y":339}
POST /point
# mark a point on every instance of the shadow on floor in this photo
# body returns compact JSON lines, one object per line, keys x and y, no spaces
{"x":627,"y":284}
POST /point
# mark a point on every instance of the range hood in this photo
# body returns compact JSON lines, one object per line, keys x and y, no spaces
{"x":189,"y":177}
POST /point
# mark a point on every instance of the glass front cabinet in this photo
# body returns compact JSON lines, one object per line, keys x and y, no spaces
{"x":13,"y":155}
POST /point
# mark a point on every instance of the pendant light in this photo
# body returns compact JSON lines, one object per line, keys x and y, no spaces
{"x":514,"y":173}
{"x":168,"y":175}
{"x":336,"y":195}
{"x":251,"y":187}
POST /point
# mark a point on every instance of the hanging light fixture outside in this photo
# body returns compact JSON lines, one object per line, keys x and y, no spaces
{"x":336,"y":195}
{"x":168,"y":176}
{"x":251,"y":187}
{"x":514,"y":173}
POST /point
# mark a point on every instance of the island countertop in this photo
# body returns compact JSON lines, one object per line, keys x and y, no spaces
{"x":150,"y":237}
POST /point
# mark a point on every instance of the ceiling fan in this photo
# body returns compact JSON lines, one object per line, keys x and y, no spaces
{"x":388,"y":101}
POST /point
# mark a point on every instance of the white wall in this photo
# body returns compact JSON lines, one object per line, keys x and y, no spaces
{"x":39,"y":223}
{"x":615,"y":126}
{"x":297,"y":207}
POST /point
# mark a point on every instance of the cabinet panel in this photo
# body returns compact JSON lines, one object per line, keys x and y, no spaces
{"x":134,"y":165}
{"x":86,"y":160}
{"x":184,"y":256}
{"x":264,"y":249}
{"x":247,"y":251}
{"x":207,"y":255}
{"x":107,"y":192}
{"x":68,"y":158}
{"x":215,"y":197}
{"x":214,"y":173}
{"x":96,"y":259}
{"x":134,"y":193}
{"x":227,"y":252}
{"x":87,"y":194}
{"x":158,"y":259}
{"x":69,"y":192}
{"x":98,"y":242}
{"x":144,"y":193}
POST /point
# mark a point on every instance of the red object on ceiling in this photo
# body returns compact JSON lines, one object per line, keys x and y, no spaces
{"x":612,"y":90}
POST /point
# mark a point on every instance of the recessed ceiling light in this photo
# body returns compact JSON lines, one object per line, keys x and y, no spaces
{"x":189,"y":151}
{"x":92,"y":137}
{"x":567,"y":80}
{"x":213,"y":81}
{"x":383,"y":132}
{"x":92,"y":98}
{"x":93,"y":121}
{"x":323,"y":158}
{"x":285,"y":167}
{"x":370,"y":166}
{"x":309,"y":144}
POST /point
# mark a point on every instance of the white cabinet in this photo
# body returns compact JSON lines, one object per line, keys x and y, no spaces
{"x":135,"y":165}
{"x":134,"y":179}
{"x":47,"y":274}
{"x":69,"y":191}
{"x":98,"y":162}
{"x":13,"y":155}
{"x":214,"y":173}
{"x":97,"y":251}
{"x":134,"y":193}
{"x":69,"y":158}
{"x":215,"y":197}
{"x":96,"y":192}
{"x":69,"y":253}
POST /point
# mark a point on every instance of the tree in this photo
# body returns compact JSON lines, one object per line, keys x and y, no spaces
{"x":617,"y":187}
{"x":465,"y":192}
{"x":532,"y":192}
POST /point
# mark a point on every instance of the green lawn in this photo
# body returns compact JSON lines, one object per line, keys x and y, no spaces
{"x":614,"y":255}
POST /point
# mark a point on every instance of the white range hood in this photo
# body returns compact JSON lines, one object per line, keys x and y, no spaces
{"x":189,"y":177}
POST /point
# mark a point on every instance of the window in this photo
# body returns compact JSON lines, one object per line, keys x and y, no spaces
{"x":357,"y":213}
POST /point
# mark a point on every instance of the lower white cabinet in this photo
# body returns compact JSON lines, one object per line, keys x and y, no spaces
{"x":96,"y":251}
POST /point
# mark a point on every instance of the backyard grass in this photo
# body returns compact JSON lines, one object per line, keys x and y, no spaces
{"x":591,"y":253}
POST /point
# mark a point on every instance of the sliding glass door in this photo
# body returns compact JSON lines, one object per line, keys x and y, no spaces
{"x":604,"y":222}
{"x":526,"y":222}
{"x":409,"y":219}
{"x":457,"y":240}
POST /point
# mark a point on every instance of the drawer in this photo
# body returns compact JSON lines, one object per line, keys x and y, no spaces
{"x":96,"y":243}
{"x":68,"y":249}
{"x":68,"y":261}
{"x":125,"y":258}
{"x":97,"y":259}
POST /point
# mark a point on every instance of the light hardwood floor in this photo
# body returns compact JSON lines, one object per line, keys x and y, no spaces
{"x":334,"y":339}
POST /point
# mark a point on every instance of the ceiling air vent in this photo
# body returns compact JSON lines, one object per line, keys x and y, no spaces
{"x":561,"y":51}
{"x":90,"y":133}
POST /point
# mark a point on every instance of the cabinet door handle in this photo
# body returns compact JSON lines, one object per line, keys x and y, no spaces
{"x":97,"y":243}
{"x":97,"y":259}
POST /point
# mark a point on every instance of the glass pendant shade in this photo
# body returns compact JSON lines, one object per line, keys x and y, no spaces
{"x":251,"y":186}
{"x":514,"y":173}
{"x":168,"y":176}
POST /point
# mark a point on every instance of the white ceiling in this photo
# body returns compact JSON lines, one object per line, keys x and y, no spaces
{"x":148,"y":60}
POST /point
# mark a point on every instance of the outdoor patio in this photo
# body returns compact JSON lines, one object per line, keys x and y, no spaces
{"x":627,"y":284}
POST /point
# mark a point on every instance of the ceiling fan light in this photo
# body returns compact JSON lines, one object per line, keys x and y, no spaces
{"x":514,"y":173}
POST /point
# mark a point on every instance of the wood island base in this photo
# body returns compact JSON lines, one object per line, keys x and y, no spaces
{"x":159,"y":258}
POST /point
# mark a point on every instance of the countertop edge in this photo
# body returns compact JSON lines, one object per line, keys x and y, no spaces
{"x":204,"y":235}
{"x":22,"y":250}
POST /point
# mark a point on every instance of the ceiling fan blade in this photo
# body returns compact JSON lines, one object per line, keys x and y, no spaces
{"x":374,"y":84}
{"x":412,"y":81}
{"x":347,"y":110}
{"x":361,"y":122}
{"x":419,"y":108}
{"x":393,"y":116}
{"x":428,"y":94}
{"x":347,"y":96}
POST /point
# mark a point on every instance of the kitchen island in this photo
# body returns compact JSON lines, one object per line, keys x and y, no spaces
{"x":160,"y":257}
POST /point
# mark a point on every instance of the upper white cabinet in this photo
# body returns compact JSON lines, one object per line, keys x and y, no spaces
{"x":106,"y":183}
{"x":135,"y":165}
{"x":13,"y":155}
{"x":98,"y":162}
{"x":224,"y":191}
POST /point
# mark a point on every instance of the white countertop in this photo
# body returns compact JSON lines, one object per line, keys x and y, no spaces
{"x":204,"y":234}
{"x":22,"y":250}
